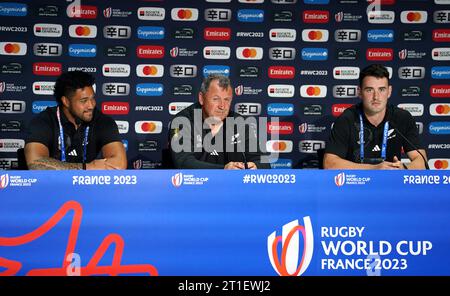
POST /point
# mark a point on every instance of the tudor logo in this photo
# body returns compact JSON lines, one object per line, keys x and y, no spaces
{"x":115,"y":108}
{"x":13,"y":48}
{"x":279,"y":146}
{"x":316,"y":16}
{"x":338,"y":109}
{"x":315,"y":35}
{"x":216,"y":52}
{"x":414,"y":109}
{"x":184,"y":14}
{"x":313,"y":91}
{"x":381,"y":17}
{"x":150,"y":51}
{"x":149,"y":70}
{"x":148,"y":127}
{"x":82,"y":31}
{"x":280,"y":91}
{"x":81,"y":11}
{"x":441,"y":54}
{"x":380,"y":54}
{"x":281,"y":72}
{"x":151,"y":13}
{"x":413,"y":17}
{"x":249,"y":53}
{"x":346,"y":73}
{"x":217,"y":34}
{"x":440,"y":91}
{"x":116,"y":70}
{"x":280,"y":128}
{"x":43,"y":87}
{"x":282,"y":35}
{"x":442,"y":109}
{"x":47,"y":69}
{"x":441,"y":35}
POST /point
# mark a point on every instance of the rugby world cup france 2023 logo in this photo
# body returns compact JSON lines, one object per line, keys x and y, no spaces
{"x":4,"y":181}
{"x":290,"y":248}
{"x":177,"y":179}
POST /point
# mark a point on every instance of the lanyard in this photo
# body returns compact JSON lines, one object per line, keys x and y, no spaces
{"x":61,"y":139}
{"x":361,"y":139}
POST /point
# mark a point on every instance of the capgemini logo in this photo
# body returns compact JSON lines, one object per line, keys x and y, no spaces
{"x":289,"y":266}
{"x":177,"y":179}
{"x":339,"y":180}
{"x":4,"y":181}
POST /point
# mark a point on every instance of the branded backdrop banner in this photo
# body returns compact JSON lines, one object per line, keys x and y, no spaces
{"x":215,"y":223}
{"x":298,"y":60}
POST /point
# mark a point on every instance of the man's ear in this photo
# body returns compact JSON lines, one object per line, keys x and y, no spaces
{"x":389,"y":91}
{"x":200,"y":98}
{"x":65,"y":101}
{"x":359,"y":92}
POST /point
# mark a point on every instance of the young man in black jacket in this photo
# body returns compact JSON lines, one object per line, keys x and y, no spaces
{"x":371,"y":135}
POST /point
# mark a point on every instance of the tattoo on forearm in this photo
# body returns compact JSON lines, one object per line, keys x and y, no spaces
{"x":48,"y":163}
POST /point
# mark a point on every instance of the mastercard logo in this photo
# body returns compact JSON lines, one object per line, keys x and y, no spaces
{"x":413,"y":16}
{"x":149,"y":70}
{"x":249,"y":53}
{"x":281,"y":146}
{"x":318,"y":91}
{"x":13,"y":48}
{"x":418,"y":17}
{"x":315,"y":35}
{"x":441,"y":164}
{"x":184,"y":14}
{"x":82,"y":31}
{"x":148,"y":127}
{"x":440,"y":109}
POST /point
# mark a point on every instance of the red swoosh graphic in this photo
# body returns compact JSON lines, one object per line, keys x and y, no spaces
{"x":92,"y":268}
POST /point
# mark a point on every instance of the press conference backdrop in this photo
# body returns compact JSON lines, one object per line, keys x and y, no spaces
{"x":298,"y":60}
{"x":212,"y":222}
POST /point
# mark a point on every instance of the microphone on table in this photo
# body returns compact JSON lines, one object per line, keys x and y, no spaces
{"x":412,"y":145}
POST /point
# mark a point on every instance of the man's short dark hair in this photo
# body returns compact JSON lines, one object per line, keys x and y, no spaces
{"x":375,"y":70}
{"x":224,"y":82}
{"x":67,"y":84}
